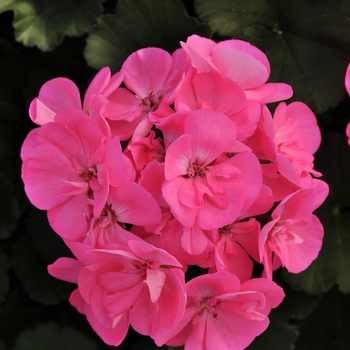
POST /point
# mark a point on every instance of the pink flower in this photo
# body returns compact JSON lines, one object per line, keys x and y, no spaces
{"x":68,"y":166}
{"x":112,"y":329}
{"x":138,"y":276}
{"x":239,"y":61}
{"x":222,"y":313}
{"x":61,"y":93}
{"x":152,"y":77}
{"x":294,"y":236}
{"x":129,"y":203}
{"x":200,"y":189}
{"x":297,"y":135}
{"x":189,"y":246}
{"x":213,"y":91}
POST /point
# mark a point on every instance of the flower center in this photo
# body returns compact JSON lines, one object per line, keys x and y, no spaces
{"x":209,"y":304}
{"x":88,"y":174}
{"x":151,"y":102}
{"x":196,"y":170}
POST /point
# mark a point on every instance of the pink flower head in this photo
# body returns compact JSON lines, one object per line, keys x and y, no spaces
{"x":222,"y":313}
{"x":197,"y":187}
{"x":294,"y":236}
{"x":239,"y":61}
{"x":68,"y":165}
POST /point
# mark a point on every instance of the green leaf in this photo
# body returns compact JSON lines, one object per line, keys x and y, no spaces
{"x":44,"y":23}
{"x":51,"y":336}
{"x":328,"y":326}
{"x":9,"y":211}
{"x":137,"y":24}
{"x":31,"y":270}
{"x":333,"y":263}
{"x":307,"y":42}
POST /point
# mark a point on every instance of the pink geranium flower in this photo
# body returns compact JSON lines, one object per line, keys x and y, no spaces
{"x":198,"y":188}
{"x":138,"y":277}
{"x":222,"y":313}
{"x":129,"y":203}
{"x":239,"y":61}
{"x":68,"y":166}
{"x":111,"y":328}
{"x":152,"y":77}
{"x":293,"y":238}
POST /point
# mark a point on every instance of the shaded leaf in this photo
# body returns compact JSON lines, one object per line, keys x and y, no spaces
{"x":307,"y":43}
{"x":328,"y":326}
{"x":31,"y":270}
{"x":137,"y":24}
{"x":333,"y":263}
{"x":17,"y":313}
{"x":44,"y":23}
{"x":51,"y":336}
{"x":285,"y":321}
{"x":9,"y":211}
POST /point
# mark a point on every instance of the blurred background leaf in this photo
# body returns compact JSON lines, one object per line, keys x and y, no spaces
{"x":137,"y":24}
{"x":44,"y":23}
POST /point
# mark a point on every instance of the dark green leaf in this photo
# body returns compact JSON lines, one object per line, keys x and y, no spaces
{"x":327,"y":328}
{"x":44,"y":23}
{"x":17,"y":313}
{"x":307,"y":43}
{"x":31,"y":270}
{"x":137,"y":24}
{"x":285,"y":321}
{"x":333,"y":263}
{"x":9,"y":211}
{"x":51,"y":336}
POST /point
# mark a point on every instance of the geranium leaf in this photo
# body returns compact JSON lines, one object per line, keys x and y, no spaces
{"x":328,"y":325}
{"x":44,"y":23}
{"x":285,"y":320}
{"x":154,"y":23}
{"x":51,"y":336}
{"x":333,"y":263}
{"x":307,"y":43}
{"x":31,"y":270}
{"x":9,"y":211}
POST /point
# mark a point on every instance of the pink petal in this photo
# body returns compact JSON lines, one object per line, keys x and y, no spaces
{"x":270,"y":92}
{"x":143,"y":211}
{"x":155,"y":281}
{"x":347,"y":79}
{"x":147,"y":70}
{"x":66,"y":269}
{"x":242,"y":68}
{"x":56,"y":94}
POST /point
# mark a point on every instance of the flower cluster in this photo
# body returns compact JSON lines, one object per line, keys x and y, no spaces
{"x":176,"y":162}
